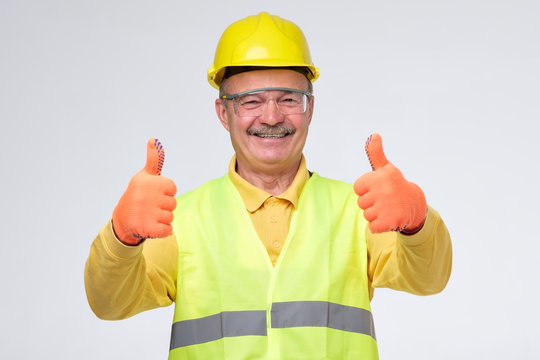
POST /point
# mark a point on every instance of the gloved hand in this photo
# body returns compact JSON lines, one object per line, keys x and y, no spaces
{"x":389,"y":201}
{"x":145,"y":209}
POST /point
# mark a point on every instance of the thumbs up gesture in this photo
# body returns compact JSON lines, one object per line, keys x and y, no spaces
{"x":389,"y":201}
{"x":145,"y":209}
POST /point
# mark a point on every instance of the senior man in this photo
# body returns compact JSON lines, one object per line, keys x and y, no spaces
{"x":271,"y":261}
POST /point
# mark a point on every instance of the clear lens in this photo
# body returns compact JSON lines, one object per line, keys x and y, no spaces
{"x":255,"y":103}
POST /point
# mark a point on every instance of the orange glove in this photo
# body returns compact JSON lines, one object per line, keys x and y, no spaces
{"x":389,"y":201}
{"x":145,"y":209}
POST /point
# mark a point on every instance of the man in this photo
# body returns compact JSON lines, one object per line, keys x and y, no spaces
{"x":271,"y":261}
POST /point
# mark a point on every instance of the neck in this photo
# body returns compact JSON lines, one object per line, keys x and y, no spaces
{"x":272,"y":180}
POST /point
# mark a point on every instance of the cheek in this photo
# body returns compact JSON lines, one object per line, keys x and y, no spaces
{"x":238,"y":130}
{"x":302,"y":126}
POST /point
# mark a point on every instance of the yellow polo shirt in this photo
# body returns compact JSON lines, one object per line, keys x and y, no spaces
{"x":271,"y":215}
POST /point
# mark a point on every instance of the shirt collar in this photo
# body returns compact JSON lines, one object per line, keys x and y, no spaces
{"x":254,"y":197}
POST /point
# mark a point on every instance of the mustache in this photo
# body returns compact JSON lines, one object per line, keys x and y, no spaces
{"x":275,"y":130}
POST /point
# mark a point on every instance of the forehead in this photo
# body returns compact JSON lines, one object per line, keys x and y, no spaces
{"x":266,"y":78}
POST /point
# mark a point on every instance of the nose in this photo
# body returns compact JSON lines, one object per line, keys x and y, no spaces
{"x":271,"y":114}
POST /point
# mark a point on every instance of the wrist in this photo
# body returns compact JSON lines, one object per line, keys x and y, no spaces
{"x":126,"y":240}
{"x":114,"y":247}
{"x":415,"y":228}
{"x":412,"y":231}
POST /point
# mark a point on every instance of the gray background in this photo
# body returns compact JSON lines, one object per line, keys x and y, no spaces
{"x":452,"y":86}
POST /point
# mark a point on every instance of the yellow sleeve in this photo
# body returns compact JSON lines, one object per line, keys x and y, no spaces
{"x":122,"y":281}
{"x":419,"y":264}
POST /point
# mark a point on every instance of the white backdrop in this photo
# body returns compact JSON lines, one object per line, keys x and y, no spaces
{"x":452,"y":86}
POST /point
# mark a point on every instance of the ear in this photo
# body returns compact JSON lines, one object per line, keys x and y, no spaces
{"x":221,"y":111}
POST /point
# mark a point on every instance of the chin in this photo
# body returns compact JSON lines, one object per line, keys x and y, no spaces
{"x":275,"y":158}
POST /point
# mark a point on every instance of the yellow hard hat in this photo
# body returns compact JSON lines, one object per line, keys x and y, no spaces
{"x":261,"y":40}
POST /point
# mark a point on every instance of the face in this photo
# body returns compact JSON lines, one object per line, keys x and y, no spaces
{"x":272,"y":141}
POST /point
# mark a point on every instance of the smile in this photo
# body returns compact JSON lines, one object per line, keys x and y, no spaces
{"x":271,"y":136}
{"x":271,"y":132}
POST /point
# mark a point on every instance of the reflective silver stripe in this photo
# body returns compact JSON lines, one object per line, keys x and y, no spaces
{"x":322,"y":314}
{"x":284,"y":315}
{"x":214,"y":327}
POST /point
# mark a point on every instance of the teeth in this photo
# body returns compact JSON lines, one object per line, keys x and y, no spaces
{"x":270,"y":136}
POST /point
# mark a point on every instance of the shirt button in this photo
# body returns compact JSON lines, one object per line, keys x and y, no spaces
{"x":273,"y":219}
{"x":276,"y":244}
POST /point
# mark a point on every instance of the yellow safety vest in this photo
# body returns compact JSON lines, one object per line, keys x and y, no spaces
{"x":231,"y":303}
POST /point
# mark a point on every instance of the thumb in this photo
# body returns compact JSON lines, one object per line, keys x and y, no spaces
{"x":374,"y":152}
{"x":155,"y":156}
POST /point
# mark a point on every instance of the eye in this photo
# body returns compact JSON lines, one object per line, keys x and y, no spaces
{"x":249,"y":101}
{"x":291,"y":99}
